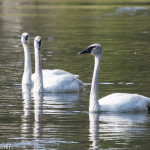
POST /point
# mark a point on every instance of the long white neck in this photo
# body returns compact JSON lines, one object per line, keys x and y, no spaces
{"x":26,"y":79}
{"x":38,"y":81}
{"x":94,"y":105}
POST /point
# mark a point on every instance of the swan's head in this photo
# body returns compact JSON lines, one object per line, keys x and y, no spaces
{"x":38,"y":42}
{"x":25,"y":38}
{"x":94,"y":49}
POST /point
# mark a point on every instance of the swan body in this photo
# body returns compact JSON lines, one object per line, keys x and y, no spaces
{"x":52,"y":80}
{"x":124,"y":102}
{"x":60,"y":81}
{"x":116,"y":102}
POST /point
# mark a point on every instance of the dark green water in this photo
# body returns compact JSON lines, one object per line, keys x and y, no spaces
{"x":62,"y":121}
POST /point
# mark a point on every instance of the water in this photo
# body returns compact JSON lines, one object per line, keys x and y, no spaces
{"x":62,"y":121}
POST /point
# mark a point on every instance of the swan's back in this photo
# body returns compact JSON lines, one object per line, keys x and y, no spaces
{"x":55,"y":72}
{"x":60,"y":81}
{"x":124,"y":102}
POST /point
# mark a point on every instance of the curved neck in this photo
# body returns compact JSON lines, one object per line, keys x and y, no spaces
{"x":26,"y":79}
{"x":94,"y":105}
{"x":38,"y":81}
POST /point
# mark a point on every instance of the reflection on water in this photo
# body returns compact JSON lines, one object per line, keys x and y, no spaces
{"x":38,"y":110}
{"x":28,"y":125}
{"x":130,"y":10}
{"x":58,"y":102}
{"x":119,"y":129}
{"x":62,"y":121}
{"x":94,"y":129}
{"x":25,"y":127}
{"x":53,"y":103}
{"x":114,"y":129}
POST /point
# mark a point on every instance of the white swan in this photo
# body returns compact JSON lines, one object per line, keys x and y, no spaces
{"x":26,"y":79}
{"x":52,"y":80}
{"x":117,"y":102}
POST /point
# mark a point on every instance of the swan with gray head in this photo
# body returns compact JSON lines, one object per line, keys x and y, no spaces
{"x":26,"y":78}
{"x":116,"y":102}
{"x":52,"y":80}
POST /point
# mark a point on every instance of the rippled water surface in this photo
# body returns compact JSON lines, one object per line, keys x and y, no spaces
{"x":62,"y":121}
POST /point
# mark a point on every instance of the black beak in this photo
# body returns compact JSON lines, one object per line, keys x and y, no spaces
{"x":40,"y":43}
{"x":26,"y":38}
{"x":87,"y":50}
{"x":84,"y":51}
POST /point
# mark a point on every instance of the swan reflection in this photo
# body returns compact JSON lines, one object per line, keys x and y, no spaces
{"x":94,"y":129}
{"x":31,"y":127}
{"x":38,"y":110}
{"x":44,"y":103}
{"x":26,"y":94}
{"x":59,"y":102}
{"x":38,"y":104}
{"x":115,"y":127}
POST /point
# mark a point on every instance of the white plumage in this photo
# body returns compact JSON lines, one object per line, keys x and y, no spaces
{"x":46,"y":80}
{"x":117,"y":102}
{"x":124,"y":102}
{"x":26,"y":78}
{"x":60,"y":81}
{"x":53,"y":80}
